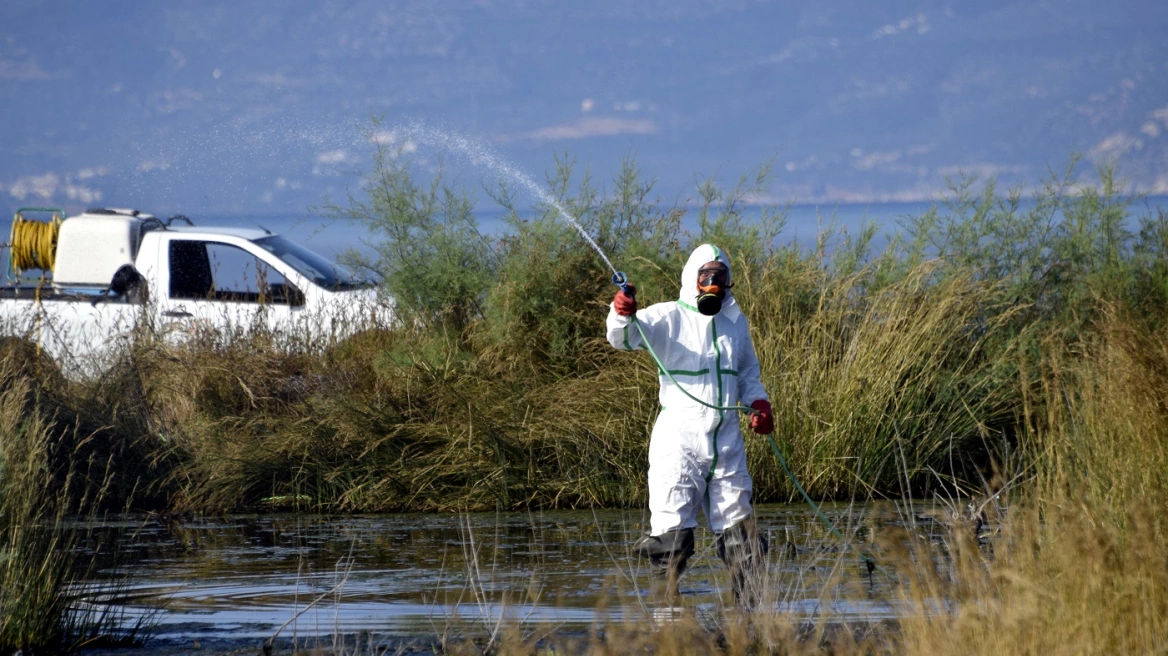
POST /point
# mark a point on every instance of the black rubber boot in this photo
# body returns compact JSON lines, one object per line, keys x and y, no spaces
{"x":744,"y":552}
{"x":668,"y":555}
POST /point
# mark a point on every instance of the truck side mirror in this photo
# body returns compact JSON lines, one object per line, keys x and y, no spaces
{"x":127,"y":283}
{"x":125,"y":279}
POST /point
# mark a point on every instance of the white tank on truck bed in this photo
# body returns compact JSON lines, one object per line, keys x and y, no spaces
{"x":91,"y":247}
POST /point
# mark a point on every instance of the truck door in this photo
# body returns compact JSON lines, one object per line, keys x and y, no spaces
{"x":226,"y":289}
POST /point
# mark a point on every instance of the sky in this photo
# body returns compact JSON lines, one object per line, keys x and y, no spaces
{"x":266,"y":108}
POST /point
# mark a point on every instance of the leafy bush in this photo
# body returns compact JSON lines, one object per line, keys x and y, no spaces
{"x":891,"y":370}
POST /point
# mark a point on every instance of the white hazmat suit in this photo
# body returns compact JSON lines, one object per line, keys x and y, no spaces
{"x":697,"y":457}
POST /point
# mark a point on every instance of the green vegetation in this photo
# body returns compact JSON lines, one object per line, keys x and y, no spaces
{"x":899,"y":370}
{"x":893,"y":371}
{"x":51,"y":476}
{"x":1015,"y":351}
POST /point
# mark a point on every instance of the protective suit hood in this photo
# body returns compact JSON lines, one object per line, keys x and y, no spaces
{"x":689,"y":280}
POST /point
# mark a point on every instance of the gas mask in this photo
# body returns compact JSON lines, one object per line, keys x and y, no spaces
{"x":713,"y":281}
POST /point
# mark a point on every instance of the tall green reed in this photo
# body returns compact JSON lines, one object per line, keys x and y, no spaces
{"x":53,"y":488}
{"x":1077,"y":563}
{"x":892,"y":370}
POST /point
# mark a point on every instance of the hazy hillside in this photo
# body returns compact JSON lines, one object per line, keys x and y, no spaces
{"x":216,"y":106}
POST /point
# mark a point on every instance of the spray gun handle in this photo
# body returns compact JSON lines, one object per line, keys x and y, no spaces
{"x":621,"y":280}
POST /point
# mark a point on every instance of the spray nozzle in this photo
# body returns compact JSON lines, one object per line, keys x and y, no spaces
{"x":621,"y":280}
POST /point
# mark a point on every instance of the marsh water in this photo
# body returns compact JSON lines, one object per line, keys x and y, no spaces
{"x":245,"y":577}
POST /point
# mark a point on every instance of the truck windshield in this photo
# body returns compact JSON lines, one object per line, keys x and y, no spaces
{"x":309,"y":264}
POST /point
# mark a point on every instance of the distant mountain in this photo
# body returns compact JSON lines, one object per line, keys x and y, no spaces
{"x":223,"y":107}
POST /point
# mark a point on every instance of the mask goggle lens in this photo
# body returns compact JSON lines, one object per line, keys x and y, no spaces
{"x":711,"y":277}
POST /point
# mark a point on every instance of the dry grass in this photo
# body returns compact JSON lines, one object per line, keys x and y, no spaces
{"x":47,"y":484}
{"x":1056,"y":581}
{"x":1073,"y":558}
{"x":875,"y":392}
{"x":1081,"y":565}
{"x":1032,"y":355}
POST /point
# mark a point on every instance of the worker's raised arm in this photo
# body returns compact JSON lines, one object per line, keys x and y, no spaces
{"x":621,"y":331}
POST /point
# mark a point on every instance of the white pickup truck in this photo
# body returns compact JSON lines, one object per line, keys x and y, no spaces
{"x":116,"y":271}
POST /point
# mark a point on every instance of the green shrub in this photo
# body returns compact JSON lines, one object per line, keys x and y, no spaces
{"x":892,"y":370}
{"x":50,"y":478}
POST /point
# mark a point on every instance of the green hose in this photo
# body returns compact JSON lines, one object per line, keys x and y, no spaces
{"x":868,"y":562}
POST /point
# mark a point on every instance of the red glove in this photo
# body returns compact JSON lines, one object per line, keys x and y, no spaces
{"x":762,"y":421}
{"x":625,"y":304}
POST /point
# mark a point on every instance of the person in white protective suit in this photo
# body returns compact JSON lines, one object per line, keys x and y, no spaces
{"x":697,"y":456}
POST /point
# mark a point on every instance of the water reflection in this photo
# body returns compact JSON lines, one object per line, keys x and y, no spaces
{"x":245,"y":576}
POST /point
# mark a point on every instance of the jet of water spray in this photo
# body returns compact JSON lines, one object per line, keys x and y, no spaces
{"x":479,"y":155}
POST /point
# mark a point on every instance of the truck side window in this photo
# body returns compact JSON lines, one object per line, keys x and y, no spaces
{"x":222,"y":272}
{"x":190,"y":272}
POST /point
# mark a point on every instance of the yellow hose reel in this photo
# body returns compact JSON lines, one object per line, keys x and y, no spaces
{"x":33,"y":243}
